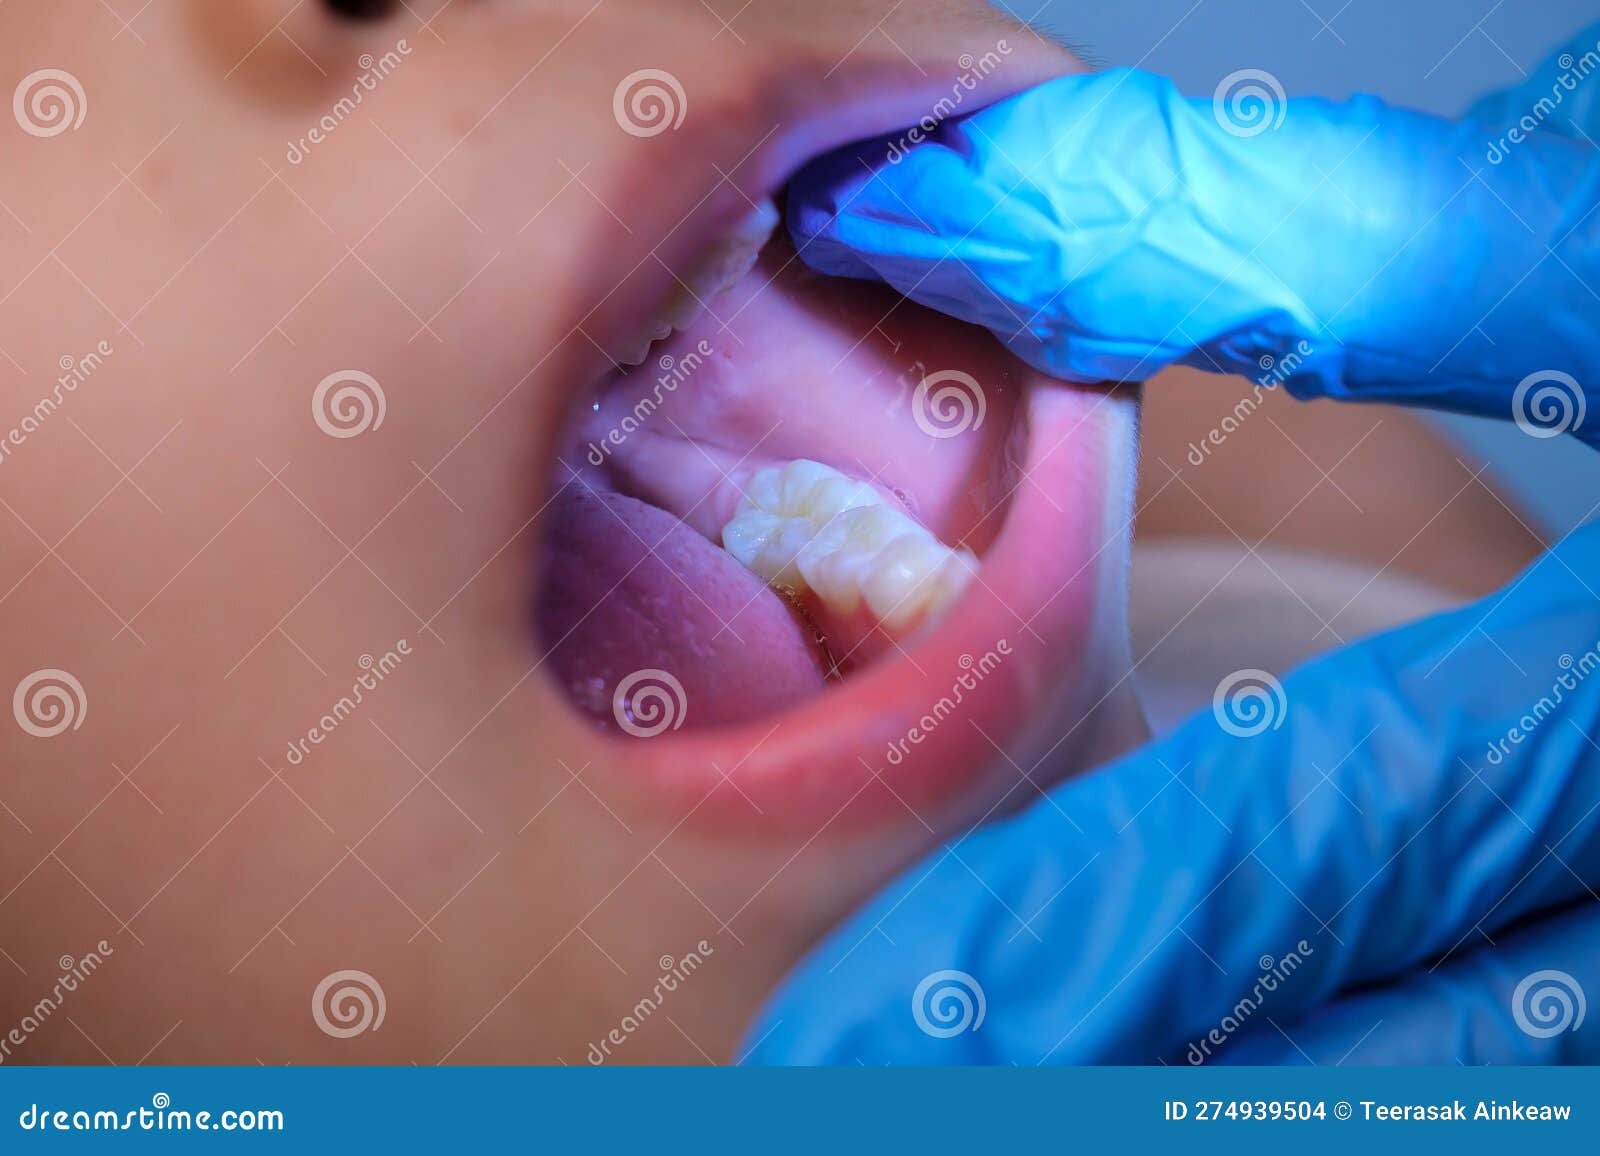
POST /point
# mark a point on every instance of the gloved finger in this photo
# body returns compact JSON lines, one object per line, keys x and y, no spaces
{"x":1523,"y":1000}
{"x":1554,"y":98}
{"x":986,"y":221}
{"x":1104,"y":227}
{"x":1365,"y":817}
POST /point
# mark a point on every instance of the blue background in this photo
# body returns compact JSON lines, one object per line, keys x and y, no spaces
{"x":1436,"y":55}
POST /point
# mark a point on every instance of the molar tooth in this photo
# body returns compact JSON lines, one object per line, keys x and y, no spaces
{"x":748,"y":533}
{"x":797,"y":481}
{"x":836,"y":579}
{"x":874,"y":527}
{"x":832,"y":496}
{"x":954,"y":577}
{"x":764,"y":491}
{"x":897,"y":586}
{"x":806,"y":526}
{"x":780,"y":556}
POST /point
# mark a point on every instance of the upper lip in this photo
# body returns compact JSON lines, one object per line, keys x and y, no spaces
{"x":740,"y":149}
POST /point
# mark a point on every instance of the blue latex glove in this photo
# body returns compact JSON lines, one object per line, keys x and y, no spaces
{"x":1371,"y":877}
{"x":1104,"y":227}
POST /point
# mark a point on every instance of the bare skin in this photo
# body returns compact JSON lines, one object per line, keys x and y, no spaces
{"x":1376,"y":486}
{"x":211,"y":566}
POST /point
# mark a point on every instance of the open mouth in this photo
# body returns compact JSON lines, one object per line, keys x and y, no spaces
{"x":814,"y":545}
{"x":780,"y":496}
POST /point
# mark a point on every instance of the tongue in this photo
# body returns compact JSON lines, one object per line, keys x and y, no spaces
{"x":629,"y":588}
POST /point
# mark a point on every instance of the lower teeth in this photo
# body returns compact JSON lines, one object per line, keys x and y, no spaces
{"x":806,"y":527}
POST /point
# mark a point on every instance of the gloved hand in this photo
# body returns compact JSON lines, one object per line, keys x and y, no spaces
{"x":1376,"y":867}
{"x":1104,"y":227}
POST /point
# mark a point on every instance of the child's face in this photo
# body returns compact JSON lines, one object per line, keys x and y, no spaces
{"x":318,"y":729}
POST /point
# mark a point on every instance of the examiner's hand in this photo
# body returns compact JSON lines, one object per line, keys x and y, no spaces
{"x":1104,"y":227}
{"x":1396,"y":861}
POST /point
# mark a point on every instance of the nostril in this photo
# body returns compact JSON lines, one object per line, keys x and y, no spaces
{"x":362,"y":9}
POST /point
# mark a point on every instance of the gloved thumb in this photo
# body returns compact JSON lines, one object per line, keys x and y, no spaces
{"x":1105,"y":227}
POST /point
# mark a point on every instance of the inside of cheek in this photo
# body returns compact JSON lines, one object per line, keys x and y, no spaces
{"x":645,"y":620}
